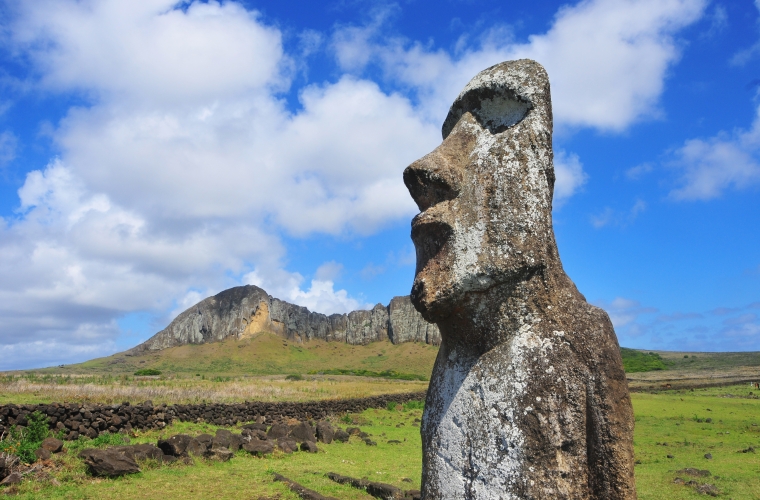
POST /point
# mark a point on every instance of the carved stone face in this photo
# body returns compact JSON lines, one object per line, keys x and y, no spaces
{"x":485,"y":192}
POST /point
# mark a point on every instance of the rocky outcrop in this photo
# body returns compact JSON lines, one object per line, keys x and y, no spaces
{"x":528,"y":398}
{"x":243,"y":311}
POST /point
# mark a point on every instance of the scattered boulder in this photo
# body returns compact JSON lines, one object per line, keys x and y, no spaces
{"x":708,"y":489}
{"x":353,"y":430}
{"x":11,"y":479}
{"x":302,"y":432}
{"x":205,"y":440}
{"x":194,"y":447}
{"x":690,"y":471}
{"x":325,"y":432}
{"x":259,"y":447}
{"x":309,"y":446}
{"x":341,"y":435}
{"x":708,"y":456}
{"x":278,"y":431}
{"x":222,"y":439}
{"x":287,"y":445}
{"x":220,"y":454}
{"x":53,"y":445}
{"x":108,"y":463}
{"x":42,"y":454}
{"x":236,"y":441}
{"x":175,"y":445}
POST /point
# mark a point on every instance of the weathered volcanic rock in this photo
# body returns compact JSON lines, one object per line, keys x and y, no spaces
{"x":246,"y":310}
{"x":405,"y":324}
{"x":528,"y":398}
{"x":109,"y":463}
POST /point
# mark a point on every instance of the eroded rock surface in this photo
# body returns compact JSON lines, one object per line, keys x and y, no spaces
{"x":528,"y":398}
{"x":243,"y":311}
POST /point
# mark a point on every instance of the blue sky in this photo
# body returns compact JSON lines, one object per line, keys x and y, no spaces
{"x":155,"y":152}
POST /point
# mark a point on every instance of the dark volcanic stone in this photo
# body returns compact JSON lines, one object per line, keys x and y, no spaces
{"x":341,"y":435}
{"x":109,"y":463}
{"x":278,"y":431}
{"x":11,"y":479}
{"x":302,"y":432}
{"x":309,"y":446}
{"x":205,"y":440}
{"x":287,"y":445}
{"x":325,"y":432}
{"x":522,"y":353}
{"x":258,"y":447}
{"x":175,"y":445}
{"x":53,"y":445}
{"x":43,"y":454}
{"x":220,"y":454}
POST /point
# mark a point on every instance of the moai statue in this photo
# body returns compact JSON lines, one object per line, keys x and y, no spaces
{"x":528,"y":398}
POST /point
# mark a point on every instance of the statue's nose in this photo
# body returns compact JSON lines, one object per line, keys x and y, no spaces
{"x":432,"y":179}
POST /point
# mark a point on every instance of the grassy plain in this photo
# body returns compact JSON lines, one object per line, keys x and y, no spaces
{"x":22,"y":389}
{"x":668,"y":423}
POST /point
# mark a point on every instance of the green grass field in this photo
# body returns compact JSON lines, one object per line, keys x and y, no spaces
{"x":669,"y":423}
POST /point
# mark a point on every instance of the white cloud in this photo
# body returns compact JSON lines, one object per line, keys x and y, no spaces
{"x":708,"y":167}
{"x":569,"y":174}
{"x":321,"y":296}
{"x":607,"y":60}
{"x":611,"y":217}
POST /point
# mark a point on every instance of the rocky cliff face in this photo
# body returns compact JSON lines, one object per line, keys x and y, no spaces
{"x":243,"y":311}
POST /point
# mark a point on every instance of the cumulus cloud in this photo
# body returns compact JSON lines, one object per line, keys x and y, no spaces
{"x":607,"y":59}
{"x":709,"y":167}
{"x":611,"y":217}
{"x":569,"y":174}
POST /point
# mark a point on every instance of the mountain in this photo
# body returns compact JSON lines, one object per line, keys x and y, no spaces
{"x":244,"y":311}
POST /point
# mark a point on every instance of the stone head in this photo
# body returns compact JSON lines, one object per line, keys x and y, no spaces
{"x":485,"y":194}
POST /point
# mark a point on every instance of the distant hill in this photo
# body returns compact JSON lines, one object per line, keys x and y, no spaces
{"x":245,"y":311}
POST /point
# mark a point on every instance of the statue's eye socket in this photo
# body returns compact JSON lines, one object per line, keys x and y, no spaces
{"x":500,"y":113}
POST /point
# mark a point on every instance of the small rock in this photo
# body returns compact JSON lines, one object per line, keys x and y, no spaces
{"x":309,"y":446}
{"x":13,"y":478}
{"x":302,"y":432}
{"x":708,"y":489}
{"x":671,"y":456}
{"x":341,"y":435}
{"x":369,"y":442}
{"x":278,"y":431}
{"x":394,"y":441}
{"x":287,"y":445}
{"x":109,"y":463}
{"x":53,"y":445}
{"x":175,"y":445}
{"x":43,"y":454}
{"x":678,"y":480}
{"x":258,"y":447}
{"x":325,"y":432}
{"x":708,"y":456}
{"x":205,"y":440}
{"x":690,"y":471}
{"x":220,"y":454}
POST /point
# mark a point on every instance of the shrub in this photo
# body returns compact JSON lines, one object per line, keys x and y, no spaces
{"x":414,"y":405}
{"x":294,"y":376}
{"x":147,"y":372}
{"x":367,"y":373}
{"x":637,"y":361}
{"x":23,"y":443}
{"x":392,"y":405}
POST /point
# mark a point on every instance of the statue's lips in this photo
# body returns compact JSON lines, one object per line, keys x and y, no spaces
{"x":430,"y":236}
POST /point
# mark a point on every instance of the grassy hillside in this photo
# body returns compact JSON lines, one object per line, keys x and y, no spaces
{"x":266,"y":354}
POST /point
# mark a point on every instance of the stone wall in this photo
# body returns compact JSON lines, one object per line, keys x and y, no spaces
{"x":245,"y":310}
{"x":90,"y":420}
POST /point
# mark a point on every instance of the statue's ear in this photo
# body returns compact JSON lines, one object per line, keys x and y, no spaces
{"x":495,"y":109}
